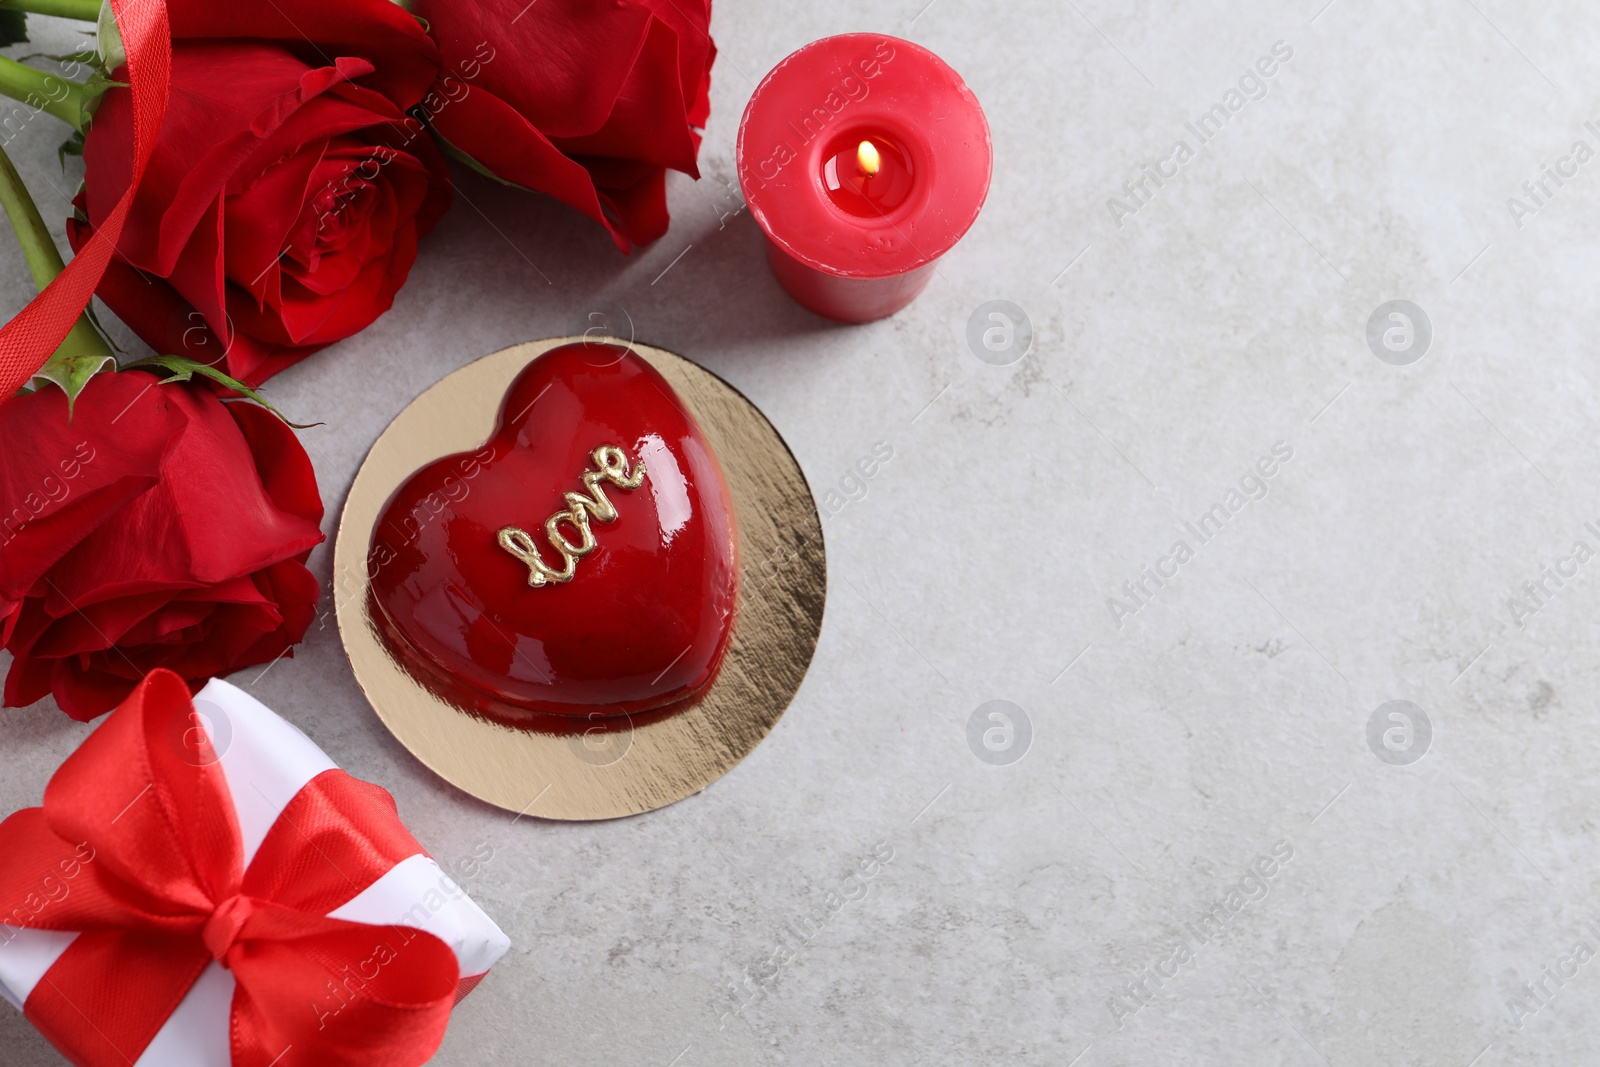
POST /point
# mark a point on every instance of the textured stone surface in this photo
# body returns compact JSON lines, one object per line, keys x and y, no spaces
{"x":1225,"y":717}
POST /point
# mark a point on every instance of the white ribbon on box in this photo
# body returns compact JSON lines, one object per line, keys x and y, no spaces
{"x":266,"y":761}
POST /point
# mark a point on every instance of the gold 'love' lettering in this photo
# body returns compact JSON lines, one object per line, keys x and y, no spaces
{"x":610,"y":465}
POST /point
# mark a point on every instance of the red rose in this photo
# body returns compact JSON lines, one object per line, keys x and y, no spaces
{"x":287,"y":190}
{"x":586,"y":101}
{"x":158,"y":527}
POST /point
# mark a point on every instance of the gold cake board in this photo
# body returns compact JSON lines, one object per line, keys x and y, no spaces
{"x":641,"y":767}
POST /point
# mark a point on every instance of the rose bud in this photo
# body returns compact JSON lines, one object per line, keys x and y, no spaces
{"x":588,"y":102}
{"x":287,"y":190}
{"x":158,"y":526}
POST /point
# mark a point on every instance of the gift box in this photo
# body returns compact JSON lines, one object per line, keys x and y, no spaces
{"x":203,"y":888}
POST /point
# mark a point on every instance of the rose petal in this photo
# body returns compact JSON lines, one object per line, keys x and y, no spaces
{"x":228,"y":205}
{"x":558,"y":63}
{"x":281,"y":463}
{"x":404,"y":58}
{"x":638,"y":126}
{"x":210,"y":519}
{"x":61,"y":479}
{"x":506,"y":144}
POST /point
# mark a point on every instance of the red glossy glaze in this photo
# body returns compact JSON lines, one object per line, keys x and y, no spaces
{"x":646,"y":617}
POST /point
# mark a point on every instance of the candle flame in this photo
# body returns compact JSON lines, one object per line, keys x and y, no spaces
{"x":868,"y":159}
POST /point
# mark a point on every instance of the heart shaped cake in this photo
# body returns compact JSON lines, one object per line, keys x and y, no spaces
{"x":582,"y":564}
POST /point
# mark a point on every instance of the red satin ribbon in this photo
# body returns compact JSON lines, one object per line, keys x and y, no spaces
{"x":28,"y":340}
{"x":138,"y":847}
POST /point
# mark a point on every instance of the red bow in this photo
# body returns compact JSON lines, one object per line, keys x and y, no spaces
{"x":138,"y":846}
{"x":27,"y":341}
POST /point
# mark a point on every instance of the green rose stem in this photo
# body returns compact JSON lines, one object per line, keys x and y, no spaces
{"x":87,"y":10}
{"x":84,"y":351}
{"x":51,"y":93}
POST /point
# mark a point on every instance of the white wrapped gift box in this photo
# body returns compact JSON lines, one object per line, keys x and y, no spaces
{"x":266,"y":761}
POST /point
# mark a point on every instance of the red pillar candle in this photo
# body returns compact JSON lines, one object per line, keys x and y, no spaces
{"x":864,"y":158}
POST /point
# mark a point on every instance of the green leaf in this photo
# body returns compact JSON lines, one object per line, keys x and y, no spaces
{"x":72,"y":373}
{"x":93,"y":89}
{"x":82,"y":354}
{"x":183,"y":369}
{"x":72,"y":146}
{"x":13,"y":28}
{"x":108,"y":40}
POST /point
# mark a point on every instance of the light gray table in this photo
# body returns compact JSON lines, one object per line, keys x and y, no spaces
{"x":1169,"y":748}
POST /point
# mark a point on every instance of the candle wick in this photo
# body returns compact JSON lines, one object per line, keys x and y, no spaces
{"x":868,"y":159}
